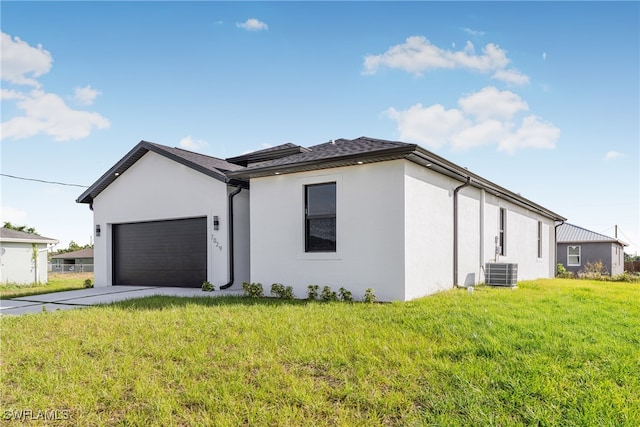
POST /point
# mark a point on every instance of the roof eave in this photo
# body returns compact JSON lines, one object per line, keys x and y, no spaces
{"x":135,"y":154}
{"x":18,"y":240}
{"x":445,"y":167}
{"x":326,"y":163}
{"x":582,"y":242}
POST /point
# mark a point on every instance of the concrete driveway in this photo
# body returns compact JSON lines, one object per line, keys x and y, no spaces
{"x":93,"y":296}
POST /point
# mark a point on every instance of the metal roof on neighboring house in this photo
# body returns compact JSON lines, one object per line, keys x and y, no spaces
{"x":569,"y":233}
{"x":82,"y":253}
{"x":9,"y":235}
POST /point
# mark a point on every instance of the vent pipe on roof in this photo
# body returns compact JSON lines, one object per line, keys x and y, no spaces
{"x":230,"y":233}
{"x":455,"y":230}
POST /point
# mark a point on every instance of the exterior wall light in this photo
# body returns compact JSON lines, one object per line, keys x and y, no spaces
{"x":216,"y":223}
{"x":97,"y":229}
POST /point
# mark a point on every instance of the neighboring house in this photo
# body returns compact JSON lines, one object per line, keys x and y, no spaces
{"x":578,"y":246}
{"x":362,"y":213}
{"x":23,"y":257}
{"x":77,"y":261}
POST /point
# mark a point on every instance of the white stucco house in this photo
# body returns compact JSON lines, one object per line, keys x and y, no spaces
{"x":361,"y":213}
{"x":23,"y":257}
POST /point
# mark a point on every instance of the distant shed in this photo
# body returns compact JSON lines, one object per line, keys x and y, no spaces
{"x":578,"y":246}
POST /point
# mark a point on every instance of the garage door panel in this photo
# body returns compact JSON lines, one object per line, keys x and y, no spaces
{"x":161,"y":253}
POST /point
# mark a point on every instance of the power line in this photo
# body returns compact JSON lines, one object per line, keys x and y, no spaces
{"x":41,"y":180}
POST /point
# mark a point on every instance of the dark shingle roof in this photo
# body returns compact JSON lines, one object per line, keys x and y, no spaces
{"x":211,"y":166}
{"x":267,"y":154}
{"x":291,"y":158}
{"x":349,"y":152}
{"x":82,"y":253}
{"x":209,"y":162}
{"x":322,"y":155}
{"x":569,"y":233}
{"x":7,"y":235}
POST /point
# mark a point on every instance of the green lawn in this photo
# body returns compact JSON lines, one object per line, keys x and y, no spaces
{"x":58,"y":282}
{"x":552,"y":352}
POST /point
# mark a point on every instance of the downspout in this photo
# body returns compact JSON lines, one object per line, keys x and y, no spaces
{"x":555,"y":248}
{"x":230,"y":233}
{"x":455,"y":230}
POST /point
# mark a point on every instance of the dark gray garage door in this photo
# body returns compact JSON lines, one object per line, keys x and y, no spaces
{"x":161,"y":253}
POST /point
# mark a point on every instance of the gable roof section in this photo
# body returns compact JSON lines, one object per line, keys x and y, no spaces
{"x":271,"y":153}
{"x":15,"y":236}
{"x":341,"y":152}
{"x":569,"y":233}
{"x":211,"y":166}
{"x":82,"y":253}
{"x":346,"y":152}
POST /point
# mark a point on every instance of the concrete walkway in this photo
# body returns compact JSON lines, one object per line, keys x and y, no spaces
{"x":93,"y":296}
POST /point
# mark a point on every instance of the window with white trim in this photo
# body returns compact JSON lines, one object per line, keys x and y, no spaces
{"x":503,"y":231}
{"x":539,"y":239}
{"x":320,"y":217}
{"x":573,"y":256}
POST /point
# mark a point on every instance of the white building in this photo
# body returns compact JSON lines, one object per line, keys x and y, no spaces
{"x":23,"y":257}
{"x":357,"y":214}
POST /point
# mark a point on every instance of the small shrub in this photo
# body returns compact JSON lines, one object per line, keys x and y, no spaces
{"x":562,"y":272}
{"x":369,"y":296}
{"x":328,"y":295}
{"x":208,"y":287}
{"x":282,"y":292}
{"x":88,"y":283}
{"x":626,"y":277}
{"x":345,"y":295}
{"x":253,"y":290}
{"x":593,"y":271}
{"x":312,"y":292}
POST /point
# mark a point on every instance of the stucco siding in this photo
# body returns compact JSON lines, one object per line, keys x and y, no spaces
{"x":369,"y":227}
{"x":428,"y":232}
{"x":17,"y":266}
{"x":156,"y":188}
{"x":521,"y":239}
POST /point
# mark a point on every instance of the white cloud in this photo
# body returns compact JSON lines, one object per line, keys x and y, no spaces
{"x":431,"y":126}
{"x":252,"y":24}
{"x":9,"y":214}
{"x":473,"y":32}
{"x":612,"y":155}
{"x":487,"y":117}
{"x":191,"y":144}
{"x":43,"y":112}
{"x":511,"y":76}
{"x":533,"y":133}
{"x":418,"y":55}
{"x":47,"y":113}
{"x":8,"y":94}
{"x":492,"y":103}
{"x":21,"y":63}
{"x":479,"y":134}
{"x":85,"y":95}
{"x":544,"y":56}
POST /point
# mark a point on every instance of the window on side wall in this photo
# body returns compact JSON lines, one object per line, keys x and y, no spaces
{"x":539,"y":239}
{"x":503,"y":231}
{"x":573,"y":255}
{"x":320,"y":217}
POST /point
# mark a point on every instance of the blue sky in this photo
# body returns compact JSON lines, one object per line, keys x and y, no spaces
{"x":541,"y":98}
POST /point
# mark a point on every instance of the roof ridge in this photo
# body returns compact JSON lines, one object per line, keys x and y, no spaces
{"x":590,"y":231}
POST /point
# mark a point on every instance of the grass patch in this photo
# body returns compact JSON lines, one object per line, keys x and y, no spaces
{"x":552,"y":352}
{"x":58,"y":282}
